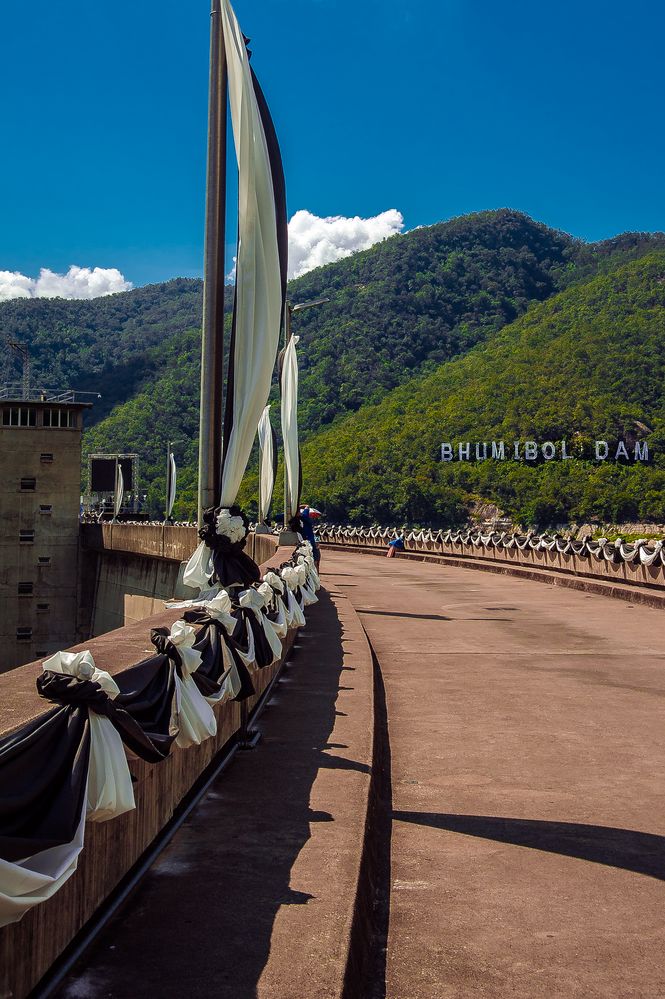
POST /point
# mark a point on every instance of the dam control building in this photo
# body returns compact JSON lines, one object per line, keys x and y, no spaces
{"x":40,"y":487}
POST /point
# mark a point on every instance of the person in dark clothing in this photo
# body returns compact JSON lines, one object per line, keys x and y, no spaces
{"x":308,"y":533}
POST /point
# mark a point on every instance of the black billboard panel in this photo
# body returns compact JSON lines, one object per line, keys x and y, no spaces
{"x":102,"y":474}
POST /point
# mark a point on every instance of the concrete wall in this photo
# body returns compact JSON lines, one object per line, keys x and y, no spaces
{"x":50,"y":610}
{"x":134,"y":568}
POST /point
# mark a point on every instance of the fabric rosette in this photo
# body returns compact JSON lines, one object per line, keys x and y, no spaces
{"x":225,"y":533}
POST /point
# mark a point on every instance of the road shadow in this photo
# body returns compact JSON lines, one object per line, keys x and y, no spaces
{"x":424,"y":617}
{"x":628,"y":849}
{"x":200,"y":924}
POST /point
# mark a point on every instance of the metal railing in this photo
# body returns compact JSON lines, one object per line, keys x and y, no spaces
{"x":16,"y":392}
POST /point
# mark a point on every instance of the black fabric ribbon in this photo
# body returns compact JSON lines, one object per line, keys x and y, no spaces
{"x":43,"y":777}
{"x":160,"y":638}
{"x":209,"y":644}
{"x":72,"y":692}
{"x":247,"y":620}
{"x":147,"y":691}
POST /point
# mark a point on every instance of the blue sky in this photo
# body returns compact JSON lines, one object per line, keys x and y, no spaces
{"x":432,"y":108}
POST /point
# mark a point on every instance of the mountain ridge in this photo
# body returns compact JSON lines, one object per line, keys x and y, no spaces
{"x":587,"y":363}
{"x":398,"y":309}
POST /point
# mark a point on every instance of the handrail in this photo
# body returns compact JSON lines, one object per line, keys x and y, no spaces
{"x":640,"y":562}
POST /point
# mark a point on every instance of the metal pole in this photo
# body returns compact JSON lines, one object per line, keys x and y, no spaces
{"x":212,"y":345}
{"x":287,"y":338}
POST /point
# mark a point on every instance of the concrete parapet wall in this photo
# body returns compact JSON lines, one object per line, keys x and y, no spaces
{"x":551,"y":566}
{"x":136,"y":567}
{"x":163,"y":540}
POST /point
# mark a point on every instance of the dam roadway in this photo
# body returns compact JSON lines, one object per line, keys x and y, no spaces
{"x":519,"y":806}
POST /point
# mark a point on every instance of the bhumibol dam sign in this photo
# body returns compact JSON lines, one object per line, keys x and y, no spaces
{"x":536,"y":451}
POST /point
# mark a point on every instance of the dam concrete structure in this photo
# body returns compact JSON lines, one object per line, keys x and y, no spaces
{"x":458,"y":793}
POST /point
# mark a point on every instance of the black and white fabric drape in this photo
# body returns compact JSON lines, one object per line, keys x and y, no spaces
{"x":261,"y":266}
{"x":71,"y":764}
{"x":260,"y":287}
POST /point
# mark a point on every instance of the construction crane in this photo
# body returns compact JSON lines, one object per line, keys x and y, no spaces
{"x":22,"y":351}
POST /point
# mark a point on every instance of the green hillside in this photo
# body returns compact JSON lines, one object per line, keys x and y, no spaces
{"x":587,"y":364}
{"x":396,"y":309}
{"x":111,"y":345}
{"x":399,"y":309}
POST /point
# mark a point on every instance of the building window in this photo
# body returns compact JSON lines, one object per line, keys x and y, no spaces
{"x":44,"y":560}
{"x":28,"y":485}
{"x":42,"y":607}
{"x":45,"y":508}
{"x":59,"y":418}
{"x":19,"y":416}
{"x":23,"y":634}
{"x":26,"y":537}
{"x":46,"y":456}
{"x":25,"y":589}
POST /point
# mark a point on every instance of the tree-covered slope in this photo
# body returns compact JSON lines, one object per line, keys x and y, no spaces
{"x":587,"y":364}
{"x":111,"y":345}
{"x":415,"y":300}
{"x":167,"y":409}
{"x":396,"y":310}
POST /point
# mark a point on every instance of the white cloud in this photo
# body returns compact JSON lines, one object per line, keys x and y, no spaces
{"x":78,"y":282}
{"x":314,"y":241}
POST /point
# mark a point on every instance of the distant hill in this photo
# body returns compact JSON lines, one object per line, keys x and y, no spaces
{"x":397,"y":310}
{"x":587,"y":364}
{"x":109,"y":345}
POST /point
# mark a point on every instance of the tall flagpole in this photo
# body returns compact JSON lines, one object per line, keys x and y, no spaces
{"x":212,"y":345}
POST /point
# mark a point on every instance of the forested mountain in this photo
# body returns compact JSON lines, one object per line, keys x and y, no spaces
{"x":587,"y":364}
{"x":109,"y":345}
{"x":397,"y":310}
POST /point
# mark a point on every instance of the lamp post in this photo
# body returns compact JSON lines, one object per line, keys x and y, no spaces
{"x":288,"y":537}
{"x":212,"y":343}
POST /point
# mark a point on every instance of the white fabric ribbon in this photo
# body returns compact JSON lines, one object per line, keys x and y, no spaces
{"x":272,"y":579}
{"x":110,"y":790}
{"x":196,"y":719}
{"x":266,"y":464}
{"x":294,"y":614}
{"x":183,"y":637}
{"x":291,"y":577}
{"x":290,"y":426}
{"x":26,"y":883}
{"x":267,"y":592}
{"x":199,"y":568}
{"x":252,"y":600}
{"x":258,"y":276}
{"x":280,"y":624}
{"x":220,"y":608}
